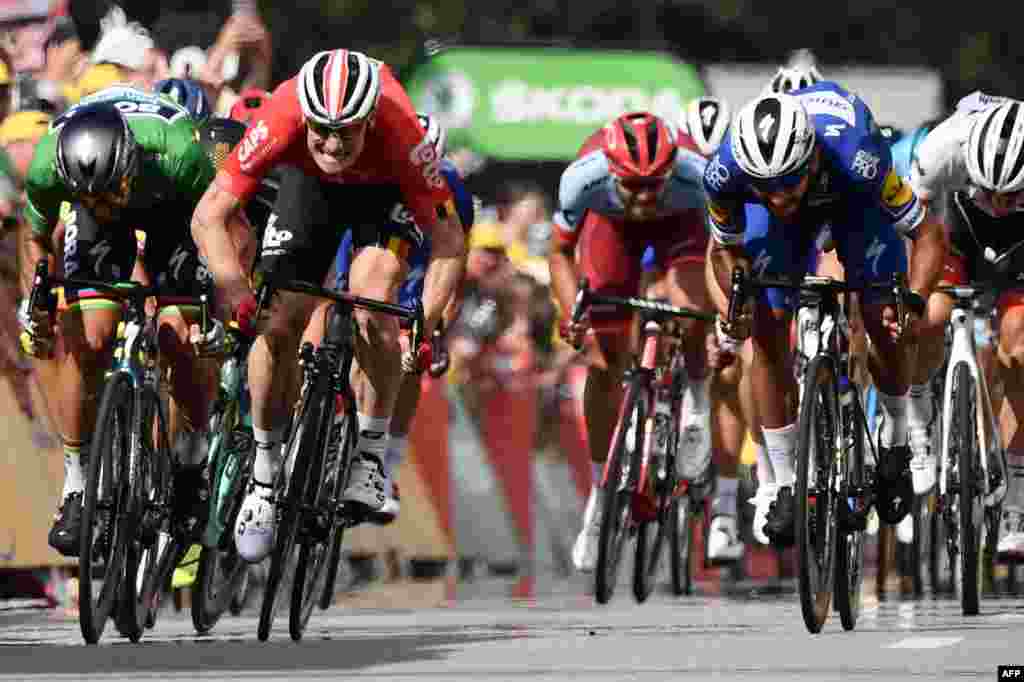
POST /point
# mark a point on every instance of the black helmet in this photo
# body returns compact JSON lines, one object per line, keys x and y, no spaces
{"x":96,"y":150}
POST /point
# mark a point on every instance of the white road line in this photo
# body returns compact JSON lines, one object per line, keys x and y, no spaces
{"x":924,"y":642}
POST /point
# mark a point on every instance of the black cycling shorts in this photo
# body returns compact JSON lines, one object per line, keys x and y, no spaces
{"x":310,"y":217}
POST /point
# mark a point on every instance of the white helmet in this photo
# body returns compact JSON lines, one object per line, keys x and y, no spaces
{"x":772,"y":136}
{"x":337,"y":87}
{"x":995,"y":148}
{"x":706,"y":120}
{"x":795,"y":77}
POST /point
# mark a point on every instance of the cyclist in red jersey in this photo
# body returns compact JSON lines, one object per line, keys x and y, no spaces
{"x":347,"y":143}
{"x":635,"y":183}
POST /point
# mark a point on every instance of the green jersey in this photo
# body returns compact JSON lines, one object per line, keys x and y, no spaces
{"x":174,"y":169}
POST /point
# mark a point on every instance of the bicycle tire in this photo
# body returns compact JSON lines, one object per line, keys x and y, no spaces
{"x":651,"y":534}
{"x":964,"y":432}
{"x":310,"y":568}
{"x":221,"y":570}
{"x":681,"y":516}
{"x":849,"y":554}
{"x":105,"y":478}
{"x":155,"y":484}
{"x":349,"y":434}
{"x":289,"y":507}
{"x":940,"y":571}
{"x":816,"y":575}
{"x":617,"y":514}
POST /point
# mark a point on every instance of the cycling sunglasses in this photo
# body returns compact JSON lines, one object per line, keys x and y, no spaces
{"x":322,"y":130}
{"x":650,"y":184}
{"x":783,"y":183}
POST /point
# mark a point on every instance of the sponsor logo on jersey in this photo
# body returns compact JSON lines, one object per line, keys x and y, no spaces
{"x":865,"y":164}
{"x":831,"y":104}
{"x":425,"y":157}
{"x":716,"y":174}
{"x":255,"y":136}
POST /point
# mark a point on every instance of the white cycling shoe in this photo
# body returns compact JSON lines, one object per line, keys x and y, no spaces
{"x":584,"y":551}
{"x":255,"y":525}
{"x":905,"y":530}
{"x":724,"y":544}
{"x":367,"y":483}
{"x":1011,"y":534}
{"x":766,"y":494}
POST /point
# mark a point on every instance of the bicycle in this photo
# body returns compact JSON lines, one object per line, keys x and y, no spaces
{"x":969,"y":495}
{"x":310,"y":511}
{"x":132,"y":533}
{"x":834,"y":485}
{"x":222,"y":573}
{"x":646,"y":498}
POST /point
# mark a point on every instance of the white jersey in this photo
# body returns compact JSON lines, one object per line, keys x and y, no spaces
{"x":940,"y":162}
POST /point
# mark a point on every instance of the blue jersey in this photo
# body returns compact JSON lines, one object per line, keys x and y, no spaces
{"x":412,"y":288}
{"x":855,"y":173}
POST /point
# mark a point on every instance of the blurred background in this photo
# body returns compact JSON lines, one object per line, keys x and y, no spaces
{"x":519,"y":86}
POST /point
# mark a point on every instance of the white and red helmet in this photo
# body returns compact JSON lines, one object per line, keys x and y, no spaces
{"x":338,"y":87}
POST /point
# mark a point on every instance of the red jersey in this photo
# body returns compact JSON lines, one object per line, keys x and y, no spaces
{"x":396,"y":151}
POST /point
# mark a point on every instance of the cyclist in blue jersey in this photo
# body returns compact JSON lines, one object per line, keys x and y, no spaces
{"x":794,"y":164}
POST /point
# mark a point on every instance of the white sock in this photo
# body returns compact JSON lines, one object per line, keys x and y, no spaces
{"x":596,"y":473}
{"x":373,"y":437}
{"x":765,"y":472}
{"x":74,"y":477}
{"x":894,"y":424}
{"x":398,"y":445}
{"x":920,"y":406}
{"x":725,"y":502}
{"x":696,"y":398}
{"x":781,"y":446}
{"x":268,"y":455}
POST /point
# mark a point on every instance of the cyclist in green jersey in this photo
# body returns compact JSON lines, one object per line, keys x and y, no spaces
{"x":119,"y":163}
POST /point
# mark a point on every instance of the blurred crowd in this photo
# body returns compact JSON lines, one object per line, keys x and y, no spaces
{"x":50,"y":58}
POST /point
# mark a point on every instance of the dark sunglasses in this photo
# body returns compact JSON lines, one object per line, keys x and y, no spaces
{"x":783,"y":183}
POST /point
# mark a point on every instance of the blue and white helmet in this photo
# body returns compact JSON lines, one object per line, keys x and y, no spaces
{"x":189,"y":94}
{"x":772,"y":136}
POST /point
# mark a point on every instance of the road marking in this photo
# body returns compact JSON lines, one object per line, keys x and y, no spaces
{"x":925,"y":642}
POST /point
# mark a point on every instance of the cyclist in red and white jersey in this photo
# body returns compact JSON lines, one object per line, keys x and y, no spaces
{"x":635,"y":183}
{"x":347,"y":143}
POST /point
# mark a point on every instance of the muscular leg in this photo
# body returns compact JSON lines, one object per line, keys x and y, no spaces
{"x":193,"y":385}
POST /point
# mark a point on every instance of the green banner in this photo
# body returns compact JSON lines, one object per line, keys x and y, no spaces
{"x":541,"y":103}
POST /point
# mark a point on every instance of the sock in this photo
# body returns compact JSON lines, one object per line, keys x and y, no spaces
{"x":373,"y":437}
{"x":1015,"y":482}
{"x":920,"y":406}
{"x":74,"y":477}
{"x":765,"y":472}
{"x":725,"y":502}
{"x":398,"y":445}
{"x":696,"y":398}
{"x":268,"y":455}
{"x":781,"y":446}
{"x":596,"y":473}
{"x":894,"y":423}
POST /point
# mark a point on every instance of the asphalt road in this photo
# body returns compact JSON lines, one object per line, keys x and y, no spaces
{"x":559,"y":635}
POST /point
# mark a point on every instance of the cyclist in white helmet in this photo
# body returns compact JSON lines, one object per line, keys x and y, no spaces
{"x":792,"y":164}
{"x":706,"y":119}
{"x":349,"y":146}
{"x":795,"y":77}
{"x":970,"y":168}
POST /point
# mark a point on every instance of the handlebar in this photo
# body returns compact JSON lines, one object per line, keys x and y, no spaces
{"x":658,"y":309}
{"x":413,"y":314}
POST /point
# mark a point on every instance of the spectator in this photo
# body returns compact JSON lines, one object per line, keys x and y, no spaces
{"x":521,"y":204}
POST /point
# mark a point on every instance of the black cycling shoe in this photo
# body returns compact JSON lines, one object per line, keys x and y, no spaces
{"x":67,"y":526}
{"x":191,"y":496}
{"x":780,"y":526}
{"x":894,"y":488}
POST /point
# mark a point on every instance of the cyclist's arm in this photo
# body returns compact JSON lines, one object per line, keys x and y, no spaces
{"x":210,"y":230}
{"x":445,"y":269}
{"x":725,"y":252}
{"x":927,"y":255}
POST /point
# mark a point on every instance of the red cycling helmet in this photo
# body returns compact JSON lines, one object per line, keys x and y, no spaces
{"x":249,"y":101}
{"x":639,"y":145}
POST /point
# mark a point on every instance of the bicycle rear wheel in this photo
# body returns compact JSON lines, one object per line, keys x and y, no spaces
{"x":967,"y":505}
{"x":348,"y":432}
{"x":289,"y":508}
{"x":815,"y":500}
{"x":103,"y":536}
{"x":652,"y":535}
{"x":623,"y":465}
{"x":681,"y":535}
{"x":850,"y":541}
{"x":316,"y":522}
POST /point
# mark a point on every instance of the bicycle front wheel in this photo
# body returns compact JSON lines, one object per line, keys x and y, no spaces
{"x":348,"y":433}
{"x":681,"y":535}
{"x":623,"y":466}
{"x":850,"y":540}
{"x":103,"y":540}
{"x":815,"y":499}
{"x":967,"y":504}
